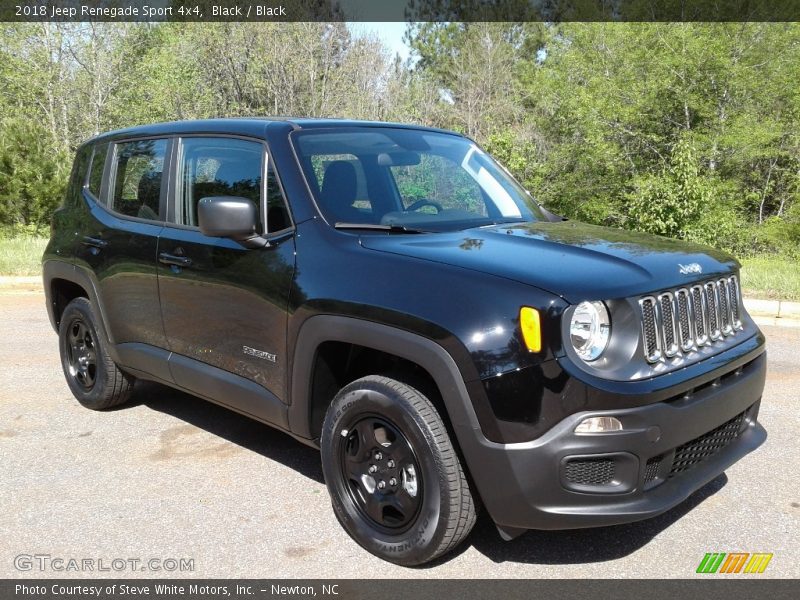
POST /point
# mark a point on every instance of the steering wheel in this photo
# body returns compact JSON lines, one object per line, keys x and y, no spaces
{"x":422,"y":203}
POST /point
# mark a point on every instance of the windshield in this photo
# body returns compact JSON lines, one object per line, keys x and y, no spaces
{"x":407,"y":178}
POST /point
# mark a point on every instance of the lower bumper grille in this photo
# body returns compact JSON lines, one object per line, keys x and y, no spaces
{"x":707,"y":445}
{"x":590,"y":471}
{"x":651,"y":469}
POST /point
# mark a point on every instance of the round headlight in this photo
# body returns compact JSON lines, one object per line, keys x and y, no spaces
{"x":589,"y":330}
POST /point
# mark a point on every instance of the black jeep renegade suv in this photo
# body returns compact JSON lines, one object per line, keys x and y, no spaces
{"x":391,"y":295}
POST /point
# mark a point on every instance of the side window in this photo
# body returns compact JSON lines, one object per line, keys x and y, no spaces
{"x":277,"y":214}
{"x":96,"y":172}
{"x":137,"y":178}
{"x":79,"y":172}
{"x":440,"y":180}
{"x":217,"y":167}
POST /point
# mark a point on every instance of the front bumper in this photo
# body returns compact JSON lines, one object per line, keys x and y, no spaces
{"x":667,"y":450}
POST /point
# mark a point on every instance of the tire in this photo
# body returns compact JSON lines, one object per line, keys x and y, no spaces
{"x":382,"y":432}
{"x":92,"y":376}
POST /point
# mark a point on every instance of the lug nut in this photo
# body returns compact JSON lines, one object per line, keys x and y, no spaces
{"x":378,"y":456}
{"x":381,"y":485}
{"x":372,"y":468}
{"x":393,"y":481}
{"x":390,"y":464}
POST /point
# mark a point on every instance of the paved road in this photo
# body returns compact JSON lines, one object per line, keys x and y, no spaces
{"x":171,"y":477}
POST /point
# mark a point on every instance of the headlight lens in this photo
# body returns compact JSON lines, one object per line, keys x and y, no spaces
{"x":589,"y":330}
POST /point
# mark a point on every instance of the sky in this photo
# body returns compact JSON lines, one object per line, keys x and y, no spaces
{"x":391,"y":34}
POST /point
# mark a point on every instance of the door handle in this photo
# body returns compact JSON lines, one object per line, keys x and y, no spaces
{"x":94,"y":242}
{"x":172,"y":259}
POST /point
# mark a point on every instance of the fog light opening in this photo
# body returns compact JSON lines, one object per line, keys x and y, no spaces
{"x":599,"y":425}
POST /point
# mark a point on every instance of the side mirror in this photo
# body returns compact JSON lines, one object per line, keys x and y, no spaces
{"x":230,"y":217}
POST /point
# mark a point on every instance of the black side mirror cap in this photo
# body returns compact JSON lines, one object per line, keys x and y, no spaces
{"x":230,"y":217}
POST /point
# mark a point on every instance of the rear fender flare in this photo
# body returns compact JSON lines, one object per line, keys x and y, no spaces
{"x":54,"y":269}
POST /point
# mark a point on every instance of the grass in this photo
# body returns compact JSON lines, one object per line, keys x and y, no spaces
{"x":21,"y":255}
{"x":771,"y":277}
{"x":762,"y":276}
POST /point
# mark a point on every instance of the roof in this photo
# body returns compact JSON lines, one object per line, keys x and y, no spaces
{"x":254,"y":126}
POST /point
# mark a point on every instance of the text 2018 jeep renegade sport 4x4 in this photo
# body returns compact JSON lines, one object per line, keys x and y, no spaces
{"x":391,"y":295}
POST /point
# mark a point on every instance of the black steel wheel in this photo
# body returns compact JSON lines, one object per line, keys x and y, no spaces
{"x":81,"y":355}
{"x":382,"y":473}
{"x":395,"y":479}
{"x":92,"y":377}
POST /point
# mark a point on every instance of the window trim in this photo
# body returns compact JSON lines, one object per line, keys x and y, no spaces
{"x":174,"y":200}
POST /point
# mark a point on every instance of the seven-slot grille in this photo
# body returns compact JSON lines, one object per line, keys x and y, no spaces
{"x":689,"y":318}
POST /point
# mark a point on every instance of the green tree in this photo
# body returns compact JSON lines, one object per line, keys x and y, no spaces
{"x":671,"y":203}
{"x":32,"y":176}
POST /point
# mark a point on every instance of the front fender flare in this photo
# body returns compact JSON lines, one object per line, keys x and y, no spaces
{"x":410,"y":346}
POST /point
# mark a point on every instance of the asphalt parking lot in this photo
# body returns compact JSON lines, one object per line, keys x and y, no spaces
{"x":172,"y":477}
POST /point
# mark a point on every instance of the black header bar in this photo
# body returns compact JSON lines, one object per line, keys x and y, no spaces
{"x":710,"y":587}
{"x":401,"y":10}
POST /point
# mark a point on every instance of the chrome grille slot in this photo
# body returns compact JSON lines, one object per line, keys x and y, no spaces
{"x":714,"y":332}
{"x":724,"y":307}
{"x":700,"y":315}
{"x":680,"y":322}
{"x":685,"y":319}
{"x":652,"y":343}
{"x":733,"y":297}
{"x":668,"y":326}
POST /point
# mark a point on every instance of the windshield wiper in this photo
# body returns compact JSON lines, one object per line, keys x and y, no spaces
{"x":379,"y":227}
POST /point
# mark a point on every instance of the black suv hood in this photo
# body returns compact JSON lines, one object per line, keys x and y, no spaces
{"x":570,"y":259}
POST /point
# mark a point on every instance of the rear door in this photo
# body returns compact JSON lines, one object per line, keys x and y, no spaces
{"x":127,"y":201}
{"x":225,"y":306}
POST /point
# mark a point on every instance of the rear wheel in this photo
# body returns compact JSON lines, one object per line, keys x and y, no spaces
{"x":92,"y":376}
{"x":395,"y":479}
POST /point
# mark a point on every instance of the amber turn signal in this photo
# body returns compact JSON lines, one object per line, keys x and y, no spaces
{"x":531,"y":328}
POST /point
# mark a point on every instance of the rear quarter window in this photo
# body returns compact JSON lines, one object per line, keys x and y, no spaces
{"x":80,"y":169}
{"x":96,"y":172}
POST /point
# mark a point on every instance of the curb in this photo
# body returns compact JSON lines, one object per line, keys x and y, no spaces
{"x":776,"y":321}
{"x":6,"y":280}
{"x":777,"y":309}
{"x":13,"y":283}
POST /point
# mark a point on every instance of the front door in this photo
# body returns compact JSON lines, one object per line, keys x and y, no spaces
{"x":224,"y":305}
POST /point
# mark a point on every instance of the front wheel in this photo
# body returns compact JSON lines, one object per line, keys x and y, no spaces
{"x":395,"y":480}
